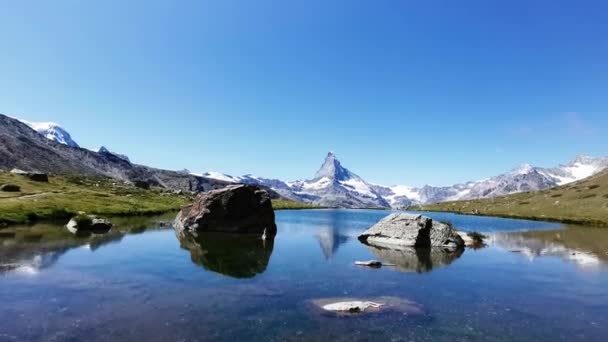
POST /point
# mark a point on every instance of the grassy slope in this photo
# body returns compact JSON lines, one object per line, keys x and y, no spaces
{"x":584,"y":202}
{"x":65,"y":196}
{"x":287,"y":205}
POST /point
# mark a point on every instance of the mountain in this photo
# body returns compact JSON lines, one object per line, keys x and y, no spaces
{"x":336,"y":186}
{"x":581,"y":202}
{"x":332,"y":186}
{"x":24,"y":148}
{"x":52,"y":131}
{"x":104,"y":150}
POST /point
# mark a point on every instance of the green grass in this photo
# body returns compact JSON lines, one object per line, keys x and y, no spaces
{"x":584,"y":202}
{"x":290,"y":205}
{"x":63,"y":197}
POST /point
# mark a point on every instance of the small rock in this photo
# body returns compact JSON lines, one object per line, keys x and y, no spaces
{"x":89,"y":224}
{"x":10,"y":188}
{"x":369,"y":263}
{"x":32,"y":175}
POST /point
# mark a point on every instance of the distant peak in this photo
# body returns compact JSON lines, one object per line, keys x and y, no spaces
{"x":523,"y":169}
{"x":332,"y":169}
{"x":582,"y":158}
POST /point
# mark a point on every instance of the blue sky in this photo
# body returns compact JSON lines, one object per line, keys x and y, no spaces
{"x":405,"y":92}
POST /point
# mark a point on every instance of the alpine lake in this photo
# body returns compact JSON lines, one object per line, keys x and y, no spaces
{"x":533,"y":281}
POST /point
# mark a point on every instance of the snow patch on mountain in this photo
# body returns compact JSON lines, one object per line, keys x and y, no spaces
{"x":52,"y":131}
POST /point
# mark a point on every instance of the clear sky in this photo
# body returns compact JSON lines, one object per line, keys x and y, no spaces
{"x":405,"y":92}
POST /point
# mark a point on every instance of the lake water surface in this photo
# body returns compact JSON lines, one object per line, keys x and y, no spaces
{"x":534,"y":281}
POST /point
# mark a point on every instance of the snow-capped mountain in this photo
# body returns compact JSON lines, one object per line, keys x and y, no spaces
{"x":52,"y":131}
{"x":336,"y":186}
{"x":523,"y":178}
{"x":333,"y":186}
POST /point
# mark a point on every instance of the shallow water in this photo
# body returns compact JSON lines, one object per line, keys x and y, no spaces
{"x":534,"y":281}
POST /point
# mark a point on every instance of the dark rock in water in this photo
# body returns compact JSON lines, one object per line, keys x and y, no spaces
{"x":416,"y":259}
{"x":35,"y":176}
{"x":233,"y":255}
{"x":89,"y":224}
{"x":407,"y":230}
{"x":10,"y":188}
{"x":233,"y":209}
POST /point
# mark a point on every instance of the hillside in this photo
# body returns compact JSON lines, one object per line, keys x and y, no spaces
{"x":24,"y":148}
{"x":583,"y":202}
{"x":64,"y":196}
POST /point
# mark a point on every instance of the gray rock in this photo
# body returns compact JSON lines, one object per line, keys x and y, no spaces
{"x":233,"y":209}
{"x":10,"y":188}
{"x":89,"y":224}
{"x":408,"y":230}
{"x":35,"y":176}
{"x":444,"y":235}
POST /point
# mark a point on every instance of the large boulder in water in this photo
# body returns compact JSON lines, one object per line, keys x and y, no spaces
{"x":408,"y":230}
{"x":233,"y":209}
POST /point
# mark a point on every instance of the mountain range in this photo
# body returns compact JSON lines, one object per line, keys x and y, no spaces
{"x":31,"y":146}
{"x":48,"y":147}
{"x":336,"y":186}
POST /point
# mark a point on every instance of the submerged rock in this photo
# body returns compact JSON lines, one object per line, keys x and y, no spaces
{"x":409,"y":230}
{"x":233,"y":209}
{"x":355,"y":306}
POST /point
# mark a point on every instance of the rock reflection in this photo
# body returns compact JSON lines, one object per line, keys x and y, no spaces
{"x":233,"y":255}
{"x":420,"y":260}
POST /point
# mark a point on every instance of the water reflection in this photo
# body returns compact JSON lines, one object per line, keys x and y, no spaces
{"x":330,"y":239}
{"x":584,"y":246}
{"x":420,"y":260}
{"x":30,"y":249}
{"x":237,"y":256}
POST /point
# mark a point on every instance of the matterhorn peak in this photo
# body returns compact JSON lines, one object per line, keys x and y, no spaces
{"x":332,"y":169}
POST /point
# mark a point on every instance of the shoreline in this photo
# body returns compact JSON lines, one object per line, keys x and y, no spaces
{"x":565,"y":220}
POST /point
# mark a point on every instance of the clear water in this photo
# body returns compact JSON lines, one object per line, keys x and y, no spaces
{"x":139,"y":282}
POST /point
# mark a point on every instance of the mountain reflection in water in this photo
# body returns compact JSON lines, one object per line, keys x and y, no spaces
{"x":584,"y":246}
